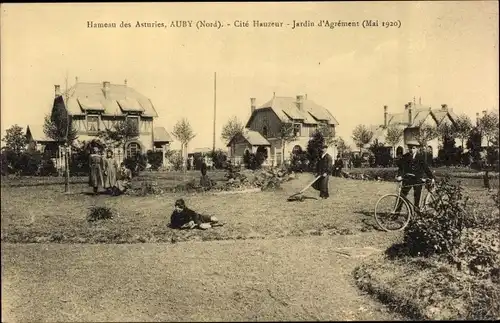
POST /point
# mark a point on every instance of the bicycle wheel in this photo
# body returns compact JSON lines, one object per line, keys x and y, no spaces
{"x":386,"y":216}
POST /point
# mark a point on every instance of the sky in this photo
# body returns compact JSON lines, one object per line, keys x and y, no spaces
{"x":443,"y":52}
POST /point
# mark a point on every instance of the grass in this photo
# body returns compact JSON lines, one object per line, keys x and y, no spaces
{"x":427,"y":289}
{"x":36,"y":214}
{"x":260,"y":277}
{"x":33,"y":214}
{"x":433,"y":288}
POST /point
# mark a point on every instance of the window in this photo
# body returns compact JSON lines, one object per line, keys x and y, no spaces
{"x":264,"y":131}
{"x":135,"y":121}
{"x":92,"y":124}
{"x":133,"y":149}
{"x":296,"y":129}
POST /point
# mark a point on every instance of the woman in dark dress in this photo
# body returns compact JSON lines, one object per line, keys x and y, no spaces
{"x":96,"y":165}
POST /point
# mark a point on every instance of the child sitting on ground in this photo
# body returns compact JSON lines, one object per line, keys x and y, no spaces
{"x":185,"y":218}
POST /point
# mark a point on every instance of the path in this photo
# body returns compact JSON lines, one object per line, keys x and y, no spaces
{"x":282,"y":279}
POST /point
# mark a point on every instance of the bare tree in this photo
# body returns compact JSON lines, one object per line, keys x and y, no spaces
{"x":361,"y":136}
{"x":328,"y":133}
{"x":119,"y":134}
{"x":184,"y":133}
{"x":393,"y":137}
{"x":425,"y":134}
{"x":341,"y":145}
{"x":286,"y":134}
{"x":463,"y":128}
{"x":232,"y":128}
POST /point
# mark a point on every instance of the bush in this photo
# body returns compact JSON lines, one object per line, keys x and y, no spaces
{"x":47,"y":168}
{"x":219,"y":158}
{"x":299,"y":162}
{"x":176,"y":160}
{"x":99,"y":213}
{"x":136,"y":164}
{"x":155,"y":159}
{"x":438,"y":231}
{"x":253,"y":161}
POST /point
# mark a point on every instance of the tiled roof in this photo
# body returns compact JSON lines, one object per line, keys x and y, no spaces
{"x":160,"y":134}
{"x":254,"y":138}
{"x":419,"y":115}
{"x":121,"y":99}
{"x":286,"y":109}
{"x":36,"y":132}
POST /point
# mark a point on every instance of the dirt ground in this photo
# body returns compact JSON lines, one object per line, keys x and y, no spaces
{"x":253,"y":280}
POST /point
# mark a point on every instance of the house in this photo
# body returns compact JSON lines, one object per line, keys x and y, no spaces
{"x":262,"y":129}
{"x":97,"y":106}
{"x":484,"y":140}
{"x":37,"y":140}
{"x":410,"y":121}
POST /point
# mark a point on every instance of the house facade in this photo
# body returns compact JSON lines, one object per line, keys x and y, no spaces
{"x":263,"y":128}
{"x":94,"y":107}
{"x":410,"y":121}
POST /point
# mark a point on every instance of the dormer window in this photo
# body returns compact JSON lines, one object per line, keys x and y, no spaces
{"x":296,"y":129}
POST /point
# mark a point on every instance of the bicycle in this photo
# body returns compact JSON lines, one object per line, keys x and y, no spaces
{"x":407,"y":207}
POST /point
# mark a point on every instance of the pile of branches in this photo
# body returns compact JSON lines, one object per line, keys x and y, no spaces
{"x":265,"y":179}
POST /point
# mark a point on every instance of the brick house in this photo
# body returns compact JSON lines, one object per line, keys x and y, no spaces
{"x":263,"y":127}
{"x":413,"y":117}
{"x":97,"y":106}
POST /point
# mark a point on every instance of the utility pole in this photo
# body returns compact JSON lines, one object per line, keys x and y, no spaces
{"x":66,"y":145}
{"x":215,"y":108}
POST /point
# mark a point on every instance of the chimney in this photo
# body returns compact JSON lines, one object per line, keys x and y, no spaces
{"x":410,"y":116}
{"x":306,"y":96}
{"x":105,"y":88}
{"x":252,"y":104}
{"x":125,"y":82}
{"x":485,"y":113}
{"x":274,"y":95}
{"x":76,"y":79}
{"x":444,"y":107}
{"x":385,"y":116}
{"x":420,"y":100}
{"x":57,"y":90}
{"x":300,"y":102}
{"x":477,"y":118}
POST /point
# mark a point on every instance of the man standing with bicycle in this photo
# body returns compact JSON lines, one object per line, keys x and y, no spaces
{"x":411,"y":170}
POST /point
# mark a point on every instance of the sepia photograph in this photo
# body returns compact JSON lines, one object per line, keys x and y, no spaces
{"x":250,"y":161}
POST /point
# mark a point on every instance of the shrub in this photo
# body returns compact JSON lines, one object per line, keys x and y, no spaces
{"x":438,"y":231}
{"x":177,"y":160}
{"x":149,"y":188}
{"x":99,"y":213}
{"x":47,"y":168}
{"x":136,"y":163}
{"x":299,"y":162}
{"x":219,"y":157}
{"x":155,"y":158}
{"x":253,"y":161}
